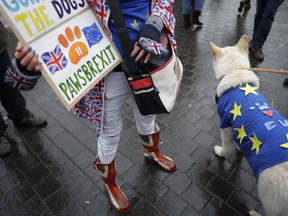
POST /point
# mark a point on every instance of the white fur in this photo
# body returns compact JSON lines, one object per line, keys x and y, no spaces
{"x":228,"y":64}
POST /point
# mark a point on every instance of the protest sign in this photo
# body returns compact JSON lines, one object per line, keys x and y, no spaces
{"x":70,"y":41}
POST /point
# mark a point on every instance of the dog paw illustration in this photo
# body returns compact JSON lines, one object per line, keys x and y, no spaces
{"x":264,"y":107}
{"x":261,"y":107}
{"x":219,"y":151}
{"x":78,"y":49}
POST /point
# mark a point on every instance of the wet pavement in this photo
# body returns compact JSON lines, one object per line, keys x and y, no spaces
{"x":49,"y":171}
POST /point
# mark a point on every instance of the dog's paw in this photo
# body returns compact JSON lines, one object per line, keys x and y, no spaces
{"x":254,"y":213}
{"x":219,"y":151}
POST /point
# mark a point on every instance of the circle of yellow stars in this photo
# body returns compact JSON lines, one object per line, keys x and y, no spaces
{"x":236,"y":111}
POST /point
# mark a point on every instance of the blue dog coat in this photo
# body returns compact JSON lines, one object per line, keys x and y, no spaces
{"x":259,"y":130}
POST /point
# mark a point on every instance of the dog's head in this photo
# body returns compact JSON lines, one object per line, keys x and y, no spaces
{"x":228,"y":59}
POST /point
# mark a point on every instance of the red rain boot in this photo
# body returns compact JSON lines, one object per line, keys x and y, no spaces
{"x":152,"y":152}
{"x":117,"y":197}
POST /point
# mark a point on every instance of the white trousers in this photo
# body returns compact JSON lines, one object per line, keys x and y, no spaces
{"x":117,"y":91}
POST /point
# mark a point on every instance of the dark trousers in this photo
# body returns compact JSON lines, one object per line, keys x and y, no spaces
{"x":11,"y":98}
{"x":265,"y":13}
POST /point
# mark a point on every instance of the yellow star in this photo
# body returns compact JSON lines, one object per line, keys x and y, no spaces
{"x":135,"y":24}
{"x":285,"y":145}
{"x":147,"y":15}
{"x":236,"y":111}
{"x":241,"y":133}
{"x":248,"y":89}
{"x":256,"y":143}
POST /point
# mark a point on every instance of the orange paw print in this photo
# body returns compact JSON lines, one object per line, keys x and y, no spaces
{"x":78,"y":49}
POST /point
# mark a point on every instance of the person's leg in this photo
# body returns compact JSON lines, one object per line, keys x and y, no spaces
{"x":266,"y":10}
{"x":117,"y":91}
{"x":186,"y":8}
{"x":5,"y":146}
{"x":11,"y":98}
{"x":150,"y":135}
{"x":265,"y":24}
{"x":197,"y":11}
{"x":13,"y":101}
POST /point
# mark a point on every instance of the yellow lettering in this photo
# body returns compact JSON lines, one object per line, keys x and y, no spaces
{"x":22,"y":17}
{"x":37,"y":20}
{"x":45,"y":16}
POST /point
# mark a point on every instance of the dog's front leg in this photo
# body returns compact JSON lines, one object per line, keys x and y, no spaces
{"x":227,"y":142}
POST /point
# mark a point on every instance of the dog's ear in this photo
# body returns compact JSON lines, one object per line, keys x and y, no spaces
{"x":243,"y":44}
{"x":215,"y":51}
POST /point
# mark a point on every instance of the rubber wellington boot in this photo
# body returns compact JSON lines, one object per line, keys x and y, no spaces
{"x":108,"y":174}
{"x":152,"y":152}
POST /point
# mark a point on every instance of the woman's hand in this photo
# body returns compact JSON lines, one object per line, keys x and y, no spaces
{"x":27,"y":58}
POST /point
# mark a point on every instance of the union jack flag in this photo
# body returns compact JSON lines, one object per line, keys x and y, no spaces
{"x":90,"y":106}
{"x":55,"y":60}
{"x":153,"y":47}
{"x":14,"y":78}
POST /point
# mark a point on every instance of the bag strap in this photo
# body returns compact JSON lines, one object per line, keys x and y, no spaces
{"x":129,"y":65}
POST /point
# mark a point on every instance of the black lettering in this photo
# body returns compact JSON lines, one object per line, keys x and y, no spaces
{"x":58,"y":8}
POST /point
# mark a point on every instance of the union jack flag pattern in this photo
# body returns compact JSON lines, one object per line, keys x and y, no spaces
{"x":90,"y":106}
{"x":87,"y":107}
{"x":18,"y":80}
{"x":153,"y":47}
{"x":54,"y":60}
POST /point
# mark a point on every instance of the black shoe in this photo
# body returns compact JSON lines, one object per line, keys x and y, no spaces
{"x":285,"y":83}
{"x":5,"y":146}
{"x":241,"y":6}
{"x":30,"y":120}
{"x":196,"y":15}
{"x":256,"y":51}
{"x":187,"y":21}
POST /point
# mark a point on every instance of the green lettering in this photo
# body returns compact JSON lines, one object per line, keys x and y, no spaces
{"x":71,"y":88}
{"x":63,"y":87}
{"x":81,"y":77}
{"x":102,"y":59}
{"x":90,"y":65}
{"x":111,"y":53}
{"x":86,"y":71}
{"x":76,"y":84}
{"x":96,"y":64}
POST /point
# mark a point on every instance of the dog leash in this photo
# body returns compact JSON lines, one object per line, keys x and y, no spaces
{"x":267,"y":70}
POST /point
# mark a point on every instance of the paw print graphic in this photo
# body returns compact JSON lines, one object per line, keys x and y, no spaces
{"x":261,"y":107}
{"x":78,"y":49}
{"x":266,"y":110}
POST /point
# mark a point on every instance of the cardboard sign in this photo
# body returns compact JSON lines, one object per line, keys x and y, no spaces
{"x":74,"y":50}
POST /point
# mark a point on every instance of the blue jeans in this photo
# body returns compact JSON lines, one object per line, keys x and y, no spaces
{"x":265,"y":13}
{"x":187,"y":4}
{"x":11,"y":98}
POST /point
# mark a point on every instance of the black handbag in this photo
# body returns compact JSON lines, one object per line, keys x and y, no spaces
{"x":155,"y":84}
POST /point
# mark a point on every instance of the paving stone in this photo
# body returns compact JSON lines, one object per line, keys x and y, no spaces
{"x":220,"y":187}
{"x":50,"y":169}
{"x":171,"y":204}
{"x":42,"y":187}
{"x":152,"y":190}
{"x":177,"y":182}
{"x":36,"y":173}
{"x":33,"y":206}
{"x":19,"y":194}
{"x":196,"y":196}
{"x":58,"y":201}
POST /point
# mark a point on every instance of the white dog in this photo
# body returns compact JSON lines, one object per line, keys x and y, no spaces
{"x":259,"y":131}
